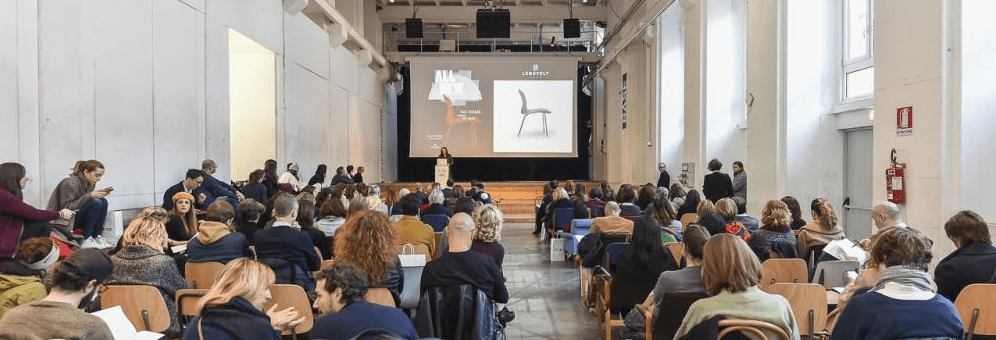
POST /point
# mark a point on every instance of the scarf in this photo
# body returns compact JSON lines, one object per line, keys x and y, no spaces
{"x":46,"y":262}
{"x":907,"y":276}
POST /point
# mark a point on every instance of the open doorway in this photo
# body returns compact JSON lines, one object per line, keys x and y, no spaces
{"x":253,"y":102}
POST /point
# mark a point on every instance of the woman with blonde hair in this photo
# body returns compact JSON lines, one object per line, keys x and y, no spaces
{"x":366,"y":240}
{"x":730,"y":273}
{"x":775,"y":233}
{"x":233,"y":307}
{"x":487,"y":234}
{"x":823,"y":229}
{"x":141,"y":260}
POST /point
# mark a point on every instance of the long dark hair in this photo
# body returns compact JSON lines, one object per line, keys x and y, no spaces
{"x":10,"y":177}
{"x":692,"y":199}
{"x":645,"y":247}
{"x":320,"y":172}
{"x":270,"y":167}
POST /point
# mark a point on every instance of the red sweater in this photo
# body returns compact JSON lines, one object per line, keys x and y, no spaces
{"x":13,"y":212}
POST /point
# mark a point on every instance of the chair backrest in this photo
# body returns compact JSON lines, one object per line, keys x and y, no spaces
{"x":143,"y":305}
{"x":562,"y":218}
{"x":381,"y":296}
{"x":596,"y":212}
{"x":758,"y":328}
{"x":442,"y":244}
{"x":419,"y":249}
{"x":438,"y":222}
{"x":783,"y":271}
{"x":327,"y":264}
{"x":976,"y":305}
{"x":809,"y":304}
{"x":523,"y":96}
{"x":832,"y":273}
{"x":410,"y":291}
{"x":612,"y":252}
{"x":687,"y":219}
{"x":201,"y":275}
{"x":186,"y":302}
{"x":290,"y":295}
{"x":672,"y":308}
{"x":677,"y":250}
{"x":457,"y":312}
{"x":581,"y":226}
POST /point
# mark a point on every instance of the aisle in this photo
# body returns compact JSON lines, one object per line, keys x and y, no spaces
{"x":544,"y":295}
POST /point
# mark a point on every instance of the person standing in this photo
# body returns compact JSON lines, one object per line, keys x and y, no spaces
{"x":664,"y":179}
{"x":717,"y":185}
{"x":76,"y":192}
{"x":739,"y":180}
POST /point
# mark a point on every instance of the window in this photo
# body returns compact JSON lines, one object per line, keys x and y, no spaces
{"x":857,"y":64}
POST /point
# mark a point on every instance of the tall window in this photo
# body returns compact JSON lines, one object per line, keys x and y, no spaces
{"x":857,"y":62}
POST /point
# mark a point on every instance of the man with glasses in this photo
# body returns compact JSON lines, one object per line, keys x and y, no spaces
{"x":191,"y":185}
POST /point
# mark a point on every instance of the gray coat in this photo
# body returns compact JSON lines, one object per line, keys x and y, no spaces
{"x":140,"y":264}
{"x":72,"y":193}
{"x":740,"y":184}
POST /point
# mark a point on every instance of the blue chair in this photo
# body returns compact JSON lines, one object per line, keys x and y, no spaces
{"x":579,"y":227}
{"x":562,"y":218}
{"x":437,"y":221}
{"x":612,"y":252}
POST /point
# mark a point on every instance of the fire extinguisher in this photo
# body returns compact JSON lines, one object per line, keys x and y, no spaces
{"x":895,"y":181}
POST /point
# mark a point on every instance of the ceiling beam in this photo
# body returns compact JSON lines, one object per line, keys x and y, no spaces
{"x":468,"y":14}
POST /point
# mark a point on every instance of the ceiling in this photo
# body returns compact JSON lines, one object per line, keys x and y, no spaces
{"x":478,"y":3}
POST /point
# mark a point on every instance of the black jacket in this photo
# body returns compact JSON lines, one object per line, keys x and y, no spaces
{"x":457,"y":312}
{"x":716,"y":186}
{"x":972,"y":263}
{"x":237,"y":319}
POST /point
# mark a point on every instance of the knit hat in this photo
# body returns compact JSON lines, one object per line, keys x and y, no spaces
{"x":183,"y":195}
{"x":293,"y":166}
{"x":93,"y":262}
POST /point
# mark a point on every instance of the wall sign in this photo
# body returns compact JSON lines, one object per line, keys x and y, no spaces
{"x":904,"y":121}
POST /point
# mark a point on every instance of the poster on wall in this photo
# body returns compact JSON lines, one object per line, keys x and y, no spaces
{"x":622,"y":94}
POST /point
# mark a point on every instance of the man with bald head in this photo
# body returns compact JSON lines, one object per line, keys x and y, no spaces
{"x":464,"y":266}
{"x":886,"y":214}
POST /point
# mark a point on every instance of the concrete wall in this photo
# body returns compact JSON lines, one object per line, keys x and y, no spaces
{"x":143,"y":86}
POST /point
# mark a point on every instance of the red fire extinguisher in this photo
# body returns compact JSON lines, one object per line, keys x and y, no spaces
{"x":895,"y":182}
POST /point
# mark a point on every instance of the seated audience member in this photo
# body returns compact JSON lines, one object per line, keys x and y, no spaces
{"x":487,"y":232}
{"x":646,"y":196}
{"x":644,"y":259}
{"x":690,"y":204}
{"x":396,"y":204}
{"x":730,"y":273}
{"x":285,"y":248}
{"x":78,"y":192}
{"x":290,"y":180}
{"x":684,"y":280}
{"x":436,"y":206}
{"x":712,"y":223}
{"x":626,"y":198}
{"x":75,"y":282}
{"x":346,"y":313}
{"x":727,"y":209}
{"x":480,"y":195}
{"x":306,"y":220}
{"x":20,"y":278}
{"x":448,"y":190}
{"x":423,"y":198}
{"x":191,"y":184}
{"x":775,"y":235}
{"x":250,"y":212}
{"x":460,"y":265}
{"x":705,"y":207}
{"x":141,"y":261}
{"x":409,"y":229}
{"x":823,"y":229}
{"x":217,"y":240}
{"x":270,"y":179}
{"x":217,"y":189}
{"x":465,"y":205}
{"x":366,"y":241}
{"x":341,"y":176}
{"x":902,"y":304}
{"x":15,"y":212}
{"x":357,"y":205}
{"x":182,"y":224}
{"x":749,"y":222}
{"x":607,"y":191}
{"x":255,"y":189}
{"x":457,"y":192}
{"x":793,"y":205}
{"x":663,"y":212}
{"x":595,"y":203}
{"x":358,"y":177}
{"x":318,"y":179}
{"x":611,"y":223}
{"x":975,"y":259}
{"x":333,"y":216}
{"x":560,"y":201}
{"x":233,"y":307}
{"x":373,"y":195}
{"x":676,"y":194}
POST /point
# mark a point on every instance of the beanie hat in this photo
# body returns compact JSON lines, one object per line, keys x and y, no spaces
{"x":93,"y":262}
{"x":183,"y":195}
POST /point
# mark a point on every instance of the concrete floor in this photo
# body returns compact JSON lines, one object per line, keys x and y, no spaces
{"x":544,"y":295}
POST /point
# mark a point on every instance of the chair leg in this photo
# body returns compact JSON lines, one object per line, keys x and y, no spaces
{"x":544,"y":126}
{"x":520,"y":125}
{"x":812,"y":320}
{"x":447,"y":137}
{"x":145,"y":320}
{"x":971,"y":326}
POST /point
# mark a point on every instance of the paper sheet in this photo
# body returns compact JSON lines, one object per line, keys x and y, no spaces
{"x":121,"y":327}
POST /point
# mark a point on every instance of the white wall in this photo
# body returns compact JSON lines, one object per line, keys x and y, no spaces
{"x":143,"y":86}
{"x":978,"y":70}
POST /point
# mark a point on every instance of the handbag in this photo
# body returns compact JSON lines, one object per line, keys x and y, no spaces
{"x":409,"y":258}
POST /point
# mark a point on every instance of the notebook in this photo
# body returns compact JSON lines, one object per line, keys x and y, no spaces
{"x":121,"y":327}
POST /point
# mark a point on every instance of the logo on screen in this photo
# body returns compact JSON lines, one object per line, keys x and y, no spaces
{"x":535,"y":72}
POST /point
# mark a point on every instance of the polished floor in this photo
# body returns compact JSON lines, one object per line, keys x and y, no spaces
{"x":544,"y":295}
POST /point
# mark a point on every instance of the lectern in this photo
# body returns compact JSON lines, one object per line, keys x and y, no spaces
{"x":442,"y":170}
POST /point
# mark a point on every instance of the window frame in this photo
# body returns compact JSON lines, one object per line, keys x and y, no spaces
{"x":851,"y":65}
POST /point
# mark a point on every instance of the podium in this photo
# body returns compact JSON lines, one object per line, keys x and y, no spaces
{"x":442,"y":171}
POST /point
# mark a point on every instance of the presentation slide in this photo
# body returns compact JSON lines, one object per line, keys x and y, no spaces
{"x":494,"y":107}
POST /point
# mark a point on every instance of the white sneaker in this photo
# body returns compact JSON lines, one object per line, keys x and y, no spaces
{"x":103,"y":242}
{"x":91,"y":242}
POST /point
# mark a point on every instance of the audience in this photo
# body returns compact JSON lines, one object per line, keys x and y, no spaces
{"x":318,"y":179}
{"x":346,"y":312}
{"x":289,"y":181}
{"x":217,"y":189}
{"x":612,"y":223}
{"x":975,"y":259}
{"x":217,"y":240}
{"x":902,"y":304}
{"x":595,"y":203}
{"x":793,"y":205}
{"x":191,"y":184}
{"x":643,"y":260}
{"x":730,"y":273}
{"x":333,"y":217}
{"x":14,"y":212}
{"x":270,"y":179}
{"x":358,"y":177}
{"x":306,"y":220}
{"x":255,"y":189}
{"x":663,"y":212}
{"x":366,"y":241}
{"x":749,"y":222}
{"x":285,"y":248}
{"x":560,"y":201}
{"x":341,"y":176}
{"x":77,"y":192}
{"x":461,"y":266}
{"x":727,"y":209}
{"x":465,"y":205}
{"x":646,"y":196}
{"x":712,"y":223}
{"x":20,"y":278}
{"x":409,"y":229}
{"x":775,"y":235}
{"x":487,"y":232}
{"x":250,"y":213}
{"x":684,"y":280}
{"x":373,"y":196}
{"x":705,"y":207}
{"x":182,"y":224}
{"x":75,"y":282}
{"x":676,"y":194}
{"x":626,"y":198}
{"x":821,"y":231}
{"x":233,"y":307}
{"x":436,"y":206}
{"x":690,"y":204}
{"x":141,"y":261}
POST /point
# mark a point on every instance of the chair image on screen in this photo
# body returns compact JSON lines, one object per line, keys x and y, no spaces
{"x":452,"y":119}
{"x":526,"y":111}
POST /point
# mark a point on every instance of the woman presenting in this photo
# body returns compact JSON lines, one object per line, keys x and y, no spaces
{"x":445,"y":153}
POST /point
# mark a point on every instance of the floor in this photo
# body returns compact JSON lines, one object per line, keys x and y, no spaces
{"x":544,"y":295}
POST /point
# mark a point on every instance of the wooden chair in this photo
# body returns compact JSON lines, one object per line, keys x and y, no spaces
{"x":809,"y":304}
{"x":677,"y":250}
{"x":452,"y":119}
{"x":319,"y":252}
{"x":754,"y":327}
{"x":673,"y":307}
{"x":976,"y":305}
{"x":442,"y":242}
{"x":186,"y":304}
{"x":687,"y":219}
{"x":782,"y":271}
{"x":201,"y":275}
{"x":327,"y":264}
{"x":142,"y":304}
{"x":291,"y":295}
{"x":381,"y":296}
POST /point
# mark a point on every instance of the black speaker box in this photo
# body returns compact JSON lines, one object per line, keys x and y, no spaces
{"x":572,"y":28}
{"x":494,"y":23}
{"x":413,"y":28}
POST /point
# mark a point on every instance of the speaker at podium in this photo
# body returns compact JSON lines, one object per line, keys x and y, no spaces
{"x":442,"y":170}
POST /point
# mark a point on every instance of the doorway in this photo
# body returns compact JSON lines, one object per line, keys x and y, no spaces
{"x":253,"y":104}
{"x":858,"y":173}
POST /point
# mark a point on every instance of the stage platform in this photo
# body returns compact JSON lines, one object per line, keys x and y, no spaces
{"x":516,"y":199}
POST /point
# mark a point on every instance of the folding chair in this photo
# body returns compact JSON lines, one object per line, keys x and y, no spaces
{"x":831,"y":274}
{"x":809,"y":304}
{"x":687,"y":219}
{"x":754,"y":327}
{"x":579,"y":227}
{"x":142,"y":304}
{"x":291,"y":295}
{"x":612,"y":252}
{"x":201,"y":275}
{"x":976,"y":305}
{"x":782,"y":271}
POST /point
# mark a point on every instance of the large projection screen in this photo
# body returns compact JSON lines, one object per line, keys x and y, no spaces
{"x":494,"y":106}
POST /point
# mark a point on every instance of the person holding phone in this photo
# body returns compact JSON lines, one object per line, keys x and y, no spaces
{"x":77,"y":192}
